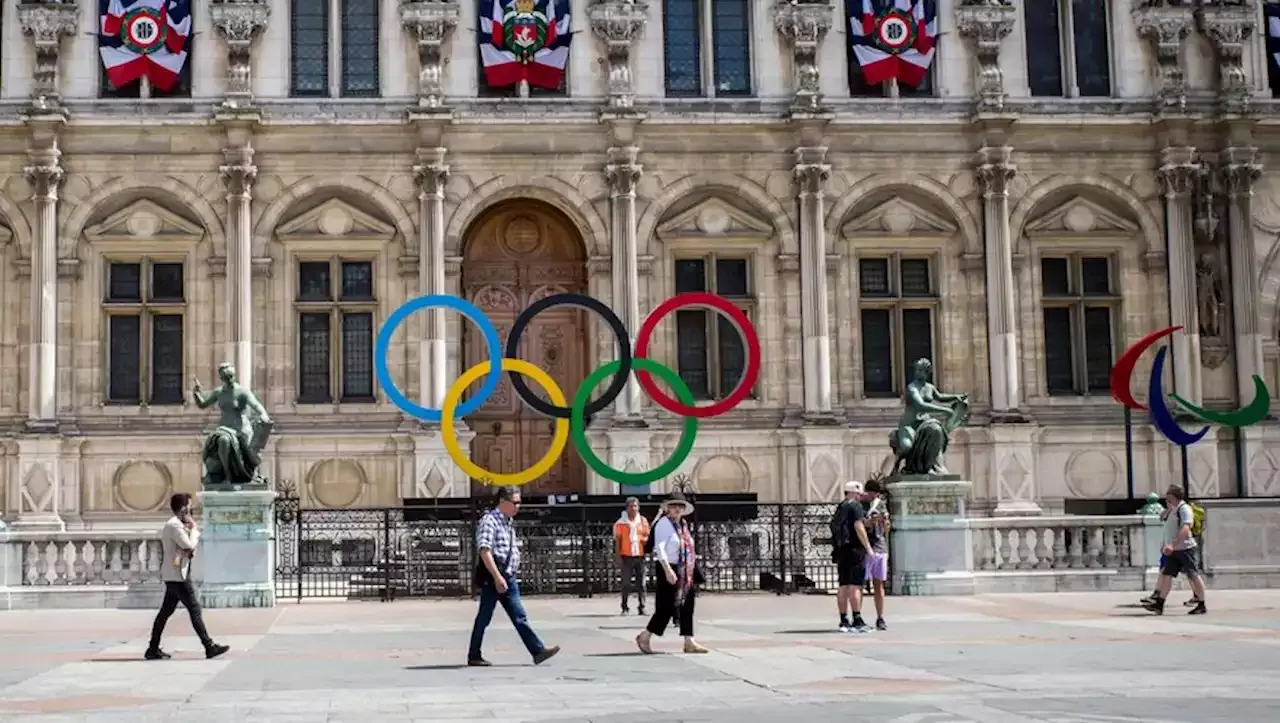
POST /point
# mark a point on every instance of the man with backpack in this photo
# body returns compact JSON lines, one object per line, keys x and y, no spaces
{"x":1179,"y":554}
{"x":850,"y":550}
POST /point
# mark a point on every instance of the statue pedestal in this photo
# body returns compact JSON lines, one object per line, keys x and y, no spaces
{"x":236,"y":561}
{"x":931,"y":547}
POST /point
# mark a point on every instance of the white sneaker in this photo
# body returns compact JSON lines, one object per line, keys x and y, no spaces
{"x":860,"y":629}
{"x":844,"y":628}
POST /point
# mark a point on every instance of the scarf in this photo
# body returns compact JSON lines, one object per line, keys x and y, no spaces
{"x":687,"y":561}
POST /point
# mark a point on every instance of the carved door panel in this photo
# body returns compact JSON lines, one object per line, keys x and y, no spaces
{"x":515,"y":256}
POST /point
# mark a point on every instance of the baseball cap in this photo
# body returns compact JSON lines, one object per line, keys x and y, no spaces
{"x":853,"y":486}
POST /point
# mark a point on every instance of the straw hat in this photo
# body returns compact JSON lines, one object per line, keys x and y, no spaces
{"x":677,"y":498}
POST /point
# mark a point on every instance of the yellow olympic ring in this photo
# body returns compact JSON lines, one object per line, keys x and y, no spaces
{"x":450,"y":437}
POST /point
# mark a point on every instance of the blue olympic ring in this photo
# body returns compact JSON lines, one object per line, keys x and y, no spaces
{"x":443,"y":301}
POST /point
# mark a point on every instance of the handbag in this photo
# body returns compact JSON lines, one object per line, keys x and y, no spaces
{"x":480,"y":576}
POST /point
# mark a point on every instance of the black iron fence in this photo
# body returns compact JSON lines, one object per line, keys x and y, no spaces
{"x":395,"y":552}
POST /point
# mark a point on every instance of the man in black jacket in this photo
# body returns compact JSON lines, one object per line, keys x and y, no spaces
{"x":850,"y":549}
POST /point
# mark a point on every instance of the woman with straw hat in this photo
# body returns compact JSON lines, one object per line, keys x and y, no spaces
{"x":677,"y":575}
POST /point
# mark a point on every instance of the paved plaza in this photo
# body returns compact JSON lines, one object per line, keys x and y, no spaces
{"x":993,"y":659}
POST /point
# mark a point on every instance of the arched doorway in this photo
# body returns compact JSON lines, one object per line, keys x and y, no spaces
{"x":515,"y":253}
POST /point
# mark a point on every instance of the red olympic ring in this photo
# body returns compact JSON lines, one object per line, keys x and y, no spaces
{"x":749,"y":337}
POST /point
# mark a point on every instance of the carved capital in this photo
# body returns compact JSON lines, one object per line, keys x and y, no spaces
{"x":622,"y":171}
{"x":47,"y":22}
{"x":430,"y":22}
{"x":804,"y":23}
{"x":44,"y":173}
{"x":432,"y":172}
{"x":1229,"y":25}
{"x":811,"y":170}
{"x":238,"y":172}
{"x":1239,"y":170}
{"x":619,"y":23}
{"x":239,"y":22}
{"x":1165,"y":25}
{"x":1179,"y":171}
{"x":987,"y":23}
{"x":995,"y":170}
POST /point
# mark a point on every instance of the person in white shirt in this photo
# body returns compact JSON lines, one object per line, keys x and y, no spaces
{"x":178,"y":540}
{"x":1179,"y":554}
{"x":677,"y":575}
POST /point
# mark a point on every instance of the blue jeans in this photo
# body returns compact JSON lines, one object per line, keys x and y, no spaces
{"x":489,"y":599}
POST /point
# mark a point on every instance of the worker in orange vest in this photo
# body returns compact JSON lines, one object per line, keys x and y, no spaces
{"x":630,"y":532}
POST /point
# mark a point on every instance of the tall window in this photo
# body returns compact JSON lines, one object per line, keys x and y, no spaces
{"x":144,"y":306}
{"x":335,"y":331}
{"x":707,"y":48}
{"x":334,"y":59}
{"x":1068,"y":48}
{"x":710,"y":354}
{"x":1078,"y":302}
{"x":897,"y":299}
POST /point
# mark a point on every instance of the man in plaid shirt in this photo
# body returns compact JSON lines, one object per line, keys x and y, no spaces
{"x":499,"y":554}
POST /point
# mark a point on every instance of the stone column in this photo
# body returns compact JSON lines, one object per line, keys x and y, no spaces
{"x":995,"y":171}
{"x":239,"y":22}
{"x":805,"y":24}
{"x":987,"y":24}
{"x":430,"y":22}
{"x":619,"y":24}
{"x":1239,"y":170}
{"x":432,"y":173}
{"x":47,"y":22}
{"x":1179,"y":173}
{"x":238,"y":174}
{"x":45,"y":176}
{"x":1165,"y":26}
{"x":811,"y":173}
{"x":623,"y":173}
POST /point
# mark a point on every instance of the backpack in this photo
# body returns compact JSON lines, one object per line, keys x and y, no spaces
{"x":648,"y":541}
{"x":839,"y":527}
{"x":1197,"y":520}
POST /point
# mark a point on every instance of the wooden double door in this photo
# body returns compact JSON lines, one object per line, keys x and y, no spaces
{"x":517,"y":253}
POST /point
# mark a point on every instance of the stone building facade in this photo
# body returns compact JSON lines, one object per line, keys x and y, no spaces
{"x":1065,"y":183}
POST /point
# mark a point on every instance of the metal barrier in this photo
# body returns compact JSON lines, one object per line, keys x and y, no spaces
{"x":396,"y":552}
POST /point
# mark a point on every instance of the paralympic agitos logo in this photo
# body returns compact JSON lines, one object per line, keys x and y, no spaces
{"x":1161,"y":416}
{"x":570,"y":421}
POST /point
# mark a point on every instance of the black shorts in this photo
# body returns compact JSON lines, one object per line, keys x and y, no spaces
{"x":851,"y":569}
{"x":1181,"y":561}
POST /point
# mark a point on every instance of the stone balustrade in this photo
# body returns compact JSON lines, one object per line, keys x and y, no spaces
{"x":80,"y":569}
{"x":1075,"y":542}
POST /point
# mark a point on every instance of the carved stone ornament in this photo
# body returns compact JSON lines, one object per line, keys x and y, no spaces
{"x":1165,"y":24}
{"x":987,"y":23}
{"x":432,"y":172}
{"x":622,"y":172}
{"x":431,"y":22}
{"x":1211,"y":299}
{"x":811,"y":170}
{"x":239,"y":22}
{"x":619,"y":24}
{"x":1238,"y":170}
{"x":47,"y":22}
{"x":238,"y":172}
{"x":804,"y":23}
{"x":995,"y":170}
{"x":1179,"y":171}
{"x":44,"y":173}
{"x":1230,"y":24}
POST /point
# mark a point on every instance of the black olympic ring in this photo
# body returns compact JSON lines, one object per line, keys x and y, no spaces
{"x":581,"y":301}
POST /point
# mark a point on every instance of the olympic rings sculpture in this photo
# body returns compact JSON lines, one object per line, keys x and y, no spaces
{"x":570,"y":418}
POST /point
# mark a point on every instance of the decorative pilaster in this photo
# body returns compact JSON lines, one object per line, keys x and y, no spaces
{"x":44,"y":173}
{"x":619,"y":23}
{"x":1165,"y":24}
{"x":1229,"y":24}
{"x":804,"y":23}
{"x":238,"y":175}
{"x":1239,"y":170}
{"x":811,"y":172}
{"x":987,"y":24}
{"x":239,"y":22}
{"x":995,"y":170}
{"x":47,"y":22}
{"x":432,"y":173}
{"x":622,"y":174}
{"x":430,"y":22}
{"x":1179,"y":177}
